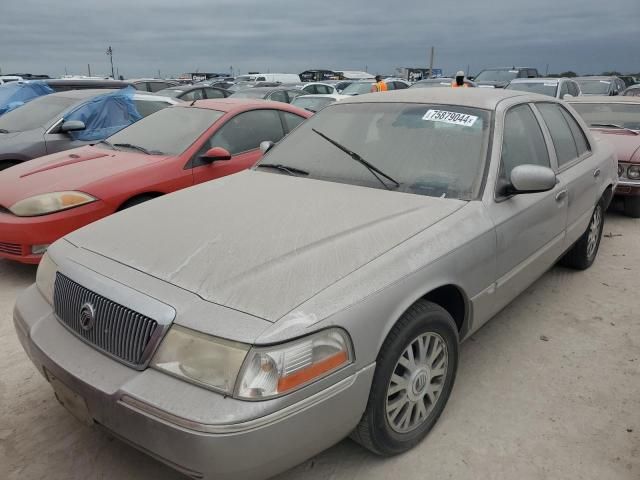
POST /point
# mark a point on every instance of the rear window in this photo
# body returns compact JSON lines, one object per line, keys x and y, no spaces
{"x":147,"y":107}
{"x":544,"y":88}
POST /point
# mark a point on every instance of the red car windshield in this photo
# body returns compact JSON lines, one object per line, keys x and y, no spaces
{"x":170,"y":131}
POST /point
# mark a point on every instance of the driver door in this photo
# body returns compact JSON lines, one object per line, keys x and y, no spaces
{"x":241,"y":136}
{"x":530,"y":227}
{"x":57,"y":141}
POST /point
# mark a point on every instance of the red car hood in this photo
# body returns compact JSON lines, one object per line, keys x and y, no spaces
{"x":625,"y":143}
{"x":75,"y":169}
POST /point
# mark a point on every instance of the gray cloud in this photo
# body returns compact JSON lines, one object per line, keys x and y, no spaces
{"x":290,"y":36}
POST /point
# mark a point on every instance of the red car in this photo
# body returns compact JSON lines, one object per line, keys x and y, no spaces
{"x":177,"y":147}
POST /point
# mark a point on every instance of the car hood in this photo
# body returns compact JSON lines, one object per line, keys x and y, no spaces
{"x":625,"y":143}
{"x":73,"y":169}
{"x":258,"y":242}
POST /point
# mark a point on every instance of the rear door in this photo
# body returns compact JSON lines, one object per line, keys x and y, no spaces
{"x":241,"y":135}
{"x":530,"y":227}
{"x":577,"y":167}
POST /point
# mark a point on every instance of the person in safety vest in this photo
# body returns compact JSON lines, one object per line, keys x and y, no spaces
{"x":459,"y":81}
{"x":379,"y":86}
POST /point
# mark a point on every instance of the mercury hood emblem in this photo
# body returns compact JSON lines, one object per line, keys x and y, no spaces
{"x":87,"y":316}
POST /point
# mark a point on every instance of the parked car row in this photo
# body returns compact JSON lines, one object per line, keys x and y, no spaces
{"x":319,"y":293}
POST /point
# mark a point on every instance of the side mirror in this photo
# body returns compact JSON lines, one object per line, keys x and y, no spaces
{"x":216,"y":154}
{"x":266,"y":146}
{"x":532,"y":179}
{"x":567,"y":95}
{"x":72,"y":126}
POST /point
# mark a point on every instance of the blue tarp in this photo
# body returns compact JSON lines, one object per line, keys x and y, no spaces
{"x":105,"y":115}
{"x":13,"y":95}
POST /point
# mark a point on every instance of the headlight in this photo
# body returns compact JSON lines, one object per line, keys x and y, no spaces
{"x":273,"y":371}
{"x":633,"y":172}
{"x":49,"y":203}
{"x":201,"y":359}
{"x":46,"y":277}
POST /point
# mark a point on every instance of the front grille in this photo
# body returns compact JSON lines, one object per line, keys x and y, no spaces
{"x":11,"y":248}
{"x":116,"y":330}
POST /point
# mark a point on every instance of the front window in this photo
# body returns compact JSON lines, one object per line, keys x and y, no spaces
{"x":544,"y":88}
{"x":37,"y":113}
{"x":496,"y":76}
{"x":609,"y":115}
{"x":594,"y":87}
{"x":249,"y":93}
{"x":170,"y":131}
{"x":431,"y":150}
{"x":358,"y":88}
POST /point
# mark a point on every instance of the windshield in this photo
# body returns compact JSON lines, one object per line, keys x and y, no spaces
{"x":170,"y":92}
{"x":594,"y":87}
{"x":312,"y":103}
{"x":249,"y":93}
{"x":496,"y":76}
{"x":544,"y":88}
{"x":624,"y":115}
{"x":430,"y":150}
{"x":170,"y":131}
{"x":39,"y":112}
{"x":357,"y":88}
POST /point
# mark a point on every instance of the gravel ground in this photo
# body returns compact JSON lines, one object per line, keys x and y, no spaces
{"x":549,"y":389}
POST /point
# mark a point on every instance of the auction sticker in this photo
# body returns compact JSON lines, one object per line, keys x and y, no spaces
{"x":454,"y":118}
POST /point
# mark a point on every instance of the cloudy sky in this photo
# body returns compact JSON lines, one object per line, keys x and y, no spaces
{"x":175,"y":36}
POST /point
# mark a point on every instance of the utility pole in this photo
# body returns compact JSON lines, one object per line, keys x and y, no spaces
{"x":546,"y":73}
{"x":89,"y":68}
{"x":110,"y":55}
{"x":159,"y":76}
{"x":431,"y":62}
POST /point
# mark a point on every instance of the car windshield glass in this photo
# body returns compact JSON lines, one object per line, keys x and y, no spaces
{"x":545,"y":88}
{"x":249,"y":93}
{"x":170,"y":92}
{"x":37,"y":113}
{"x":429,"y":150}
{"x":594,"y":87}
{"x":496,"y":76}
{"x":432,"y":83}
{"x":357,"y":88}
{"x":170,"y":131}
{"x":312,"y":103}
{"x":624,"y":115}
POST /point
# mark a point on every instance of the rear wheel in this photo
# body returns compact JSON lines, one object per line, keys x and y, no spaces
{"x":415,"y":372}
{"x":584,"y":251}
{"x":632,"y":207}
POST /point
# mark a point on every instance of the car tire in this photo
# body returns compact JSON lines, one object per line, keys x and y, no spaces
{"x":632,"y":207}
{"x":583,"y":253}
{"x":387,"y":428}
{"x":4,"y":164}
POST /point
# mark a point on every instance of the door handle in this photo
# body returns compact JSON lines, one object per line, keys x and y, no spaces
{"x":596,"y":173}
{"x":560,"y":195}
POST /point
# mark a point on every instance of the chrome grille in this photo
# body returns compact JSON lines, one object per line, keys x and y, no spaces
{"x":11,"y":248}
{"x":116,"y":330}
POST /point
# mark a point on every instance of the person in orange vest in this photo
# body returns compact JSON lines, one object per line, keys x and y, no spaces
{"x":459,"y":81}
{"x":379,"y":86}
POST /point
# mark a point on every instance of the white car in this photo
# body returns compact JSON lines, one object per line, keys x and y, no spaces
{"x":10,"y":79}
{"x":318,"y":88}
{"x":554,"y":87}
{"x":315,"y":103}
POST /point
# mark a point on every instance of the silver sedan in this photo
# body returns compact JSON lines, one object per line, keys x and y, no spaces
{"x":236,"y":328}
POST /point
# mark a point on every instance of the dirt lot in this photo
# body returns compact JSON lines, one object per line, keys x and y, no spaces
{"x":549,"y":389}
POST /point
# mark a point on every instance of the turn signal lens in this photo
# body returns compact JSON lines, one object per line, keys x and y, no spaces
{"x":273,"y":371}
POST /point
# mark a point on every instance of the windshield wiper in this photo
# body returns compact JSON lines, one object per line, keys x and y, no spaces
{"x":372,"y":168}
{"x":283,"y":168}
{"x":137,"y":147}
{"x":108,"y":144}
{"x":614,"y":125}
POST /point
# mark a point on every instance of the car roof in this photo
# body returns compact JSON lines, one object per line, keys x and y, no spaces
{"x":538,"y":80}
{"x":601,"y":77}
{"x":605,"y":99}
{"x":232,"y":104}
{"x":466,"y":97}
{"x":435,"y":80}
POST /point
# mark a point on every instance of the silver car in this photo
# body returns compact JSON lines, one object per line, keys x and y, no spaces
{"x":554,"y":87}
{"x":236,"y":328}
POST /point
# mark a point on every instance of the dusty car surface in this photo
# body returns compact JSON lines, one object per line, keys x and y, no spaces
{"x":46,"y":198}
{"x":617,"y":120}
{"x":331,"y":299}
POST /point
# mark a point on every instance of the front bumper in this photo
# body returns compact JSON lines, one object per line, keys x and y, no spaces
{"x":171,"y":420}
{"x":19,"y":234}
{"x":628,"y":188}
